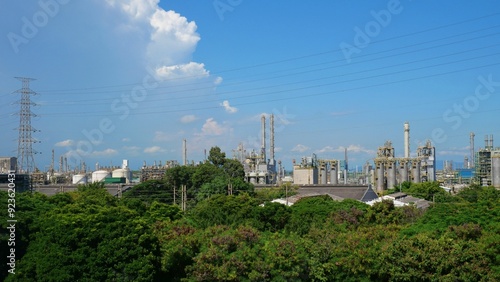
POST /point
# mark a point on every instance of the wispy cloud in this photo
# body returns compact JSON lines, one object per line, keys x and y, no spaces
{"x":65,"y":143}
{"x":188,"y":118}
{"x":300,"y":148}
{"x":212,"y":127}
{"x":153,"y":149}
{"x":228,"y":107}
{"x":351,"y":149}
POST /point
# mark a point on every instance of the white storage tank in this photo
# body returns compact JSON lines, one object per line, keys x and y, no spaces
{"x":123,"y":172}
{"x":79,"y":179}
{"x":98,"y":176}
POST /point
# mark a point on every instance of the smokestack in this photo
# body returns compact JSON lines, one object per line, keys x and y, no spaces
{"x":407,"y":139}
{"x":271,"y":141}
{"x":491,"y":141}
{"x":486,"y":142}
{"x":263,"y":133}
{"x":184,"y":152}
{"x":472,"y":152}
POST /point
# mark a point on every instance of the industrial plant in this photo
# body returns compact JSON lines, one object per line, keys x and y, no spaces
{"x":386,"y":170}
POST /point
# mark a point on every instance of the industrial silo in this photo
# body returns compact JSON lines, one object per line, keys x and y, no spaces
{"x":380,"y":176}
{"x":334,"y":178}
{"x":416,"y":171}
{"x":391,"y":174}
{"x":403,"y":171}
{"x":322,"y":172}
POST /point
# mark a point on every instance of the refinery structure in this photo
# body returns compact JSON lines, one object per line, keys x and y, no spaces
{"x":386,"y":171}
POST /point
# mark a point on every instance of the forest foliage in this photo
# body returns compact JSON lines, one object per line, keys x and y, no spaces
{"x":89,"y":235}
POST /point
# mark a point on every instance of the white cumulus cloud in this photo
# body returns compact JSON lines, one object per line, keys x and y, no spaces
{"x":212,"y":127}
{"x":136,"y":9}
{"x":228,"y":107}
{"x":170,"y":38}
{"x":189,"y":70}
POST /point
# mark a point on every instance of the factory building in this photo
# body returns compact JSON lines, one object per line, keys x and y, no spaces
{"x":312,"y":170}
{"x":156,"y":172}
{"x":487,"y":164}
{"x":306,"y":172}
{"x":391,"y":171}
{"x":258,"y":168}
{"x":7,"y":163}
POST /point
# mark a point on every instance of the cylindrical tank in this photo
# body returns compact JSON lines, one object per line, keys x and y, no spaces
{"x":322,"y":172}
{"x":79,"y":179}
{"x":403,"y":171}
{"x":495,"y":169}
{"x":391,"y":175}
{"x":334,"y":180}
{"x":416,"y":172}
{"x":123,"y":172}
{"x":99,"y":175}
{"x":380,"y":176}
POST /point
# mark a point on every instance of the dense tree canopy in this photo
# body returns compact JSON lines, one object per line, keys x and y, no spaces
{"x":89,"y":235}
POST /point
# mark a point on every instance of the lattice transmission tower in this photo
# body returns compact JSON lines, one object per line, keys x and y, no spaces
{"x":25,"y":152}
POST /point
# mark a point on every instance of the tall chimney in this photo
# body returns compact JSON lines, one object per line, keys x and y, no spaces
{"x":407,"y":139}
{"x":472,"y":152}
{"x":271,"y":141}
{"x":491,"y":142}
{"x":486,"y":142}
{"x":263,"y":133}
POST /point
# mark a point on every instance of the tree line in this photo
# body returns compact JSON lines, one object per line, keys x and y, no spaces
{"x":89,"y":235}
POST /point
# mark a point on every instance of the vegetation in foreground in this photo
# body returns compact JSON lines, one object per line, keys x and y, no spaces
{"x":88,"y":235}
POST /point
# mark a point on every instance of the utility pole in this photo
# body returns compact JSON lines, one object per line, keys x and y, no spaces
{"x":174,"y":193}
{"x":184,"y":197}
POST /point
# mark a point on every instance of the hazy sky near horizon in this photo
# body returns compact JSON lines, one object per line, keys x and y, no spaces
{"x":131,"y":79}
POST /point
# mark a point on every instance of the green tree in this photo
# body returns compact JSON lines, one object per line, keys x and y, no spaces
{"x":216,"y":156}
{"x":92,"y":238}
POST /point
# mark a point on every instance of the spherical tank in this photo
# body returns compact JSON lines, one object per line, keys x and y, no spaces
{"x":99,"y":175}
{"x":79,"y":179}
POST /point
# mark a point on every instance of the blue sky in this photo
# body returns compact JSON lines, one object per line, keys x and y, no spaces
{"x":131,"y":79}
